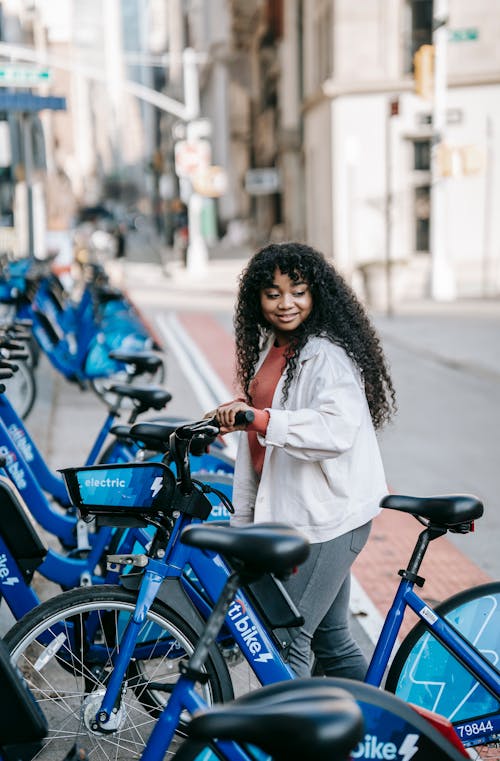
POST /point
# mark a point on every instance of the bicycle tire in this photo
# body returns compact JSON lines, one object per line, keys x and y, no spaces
{"x":423,"y":672}
{"x":108,"y":455}
{"x":21,"y":389}
{"x":67,"y":684}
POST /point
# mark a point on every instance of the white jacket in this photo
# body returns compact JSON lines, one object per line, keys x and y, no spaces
{"x":322,"y":469}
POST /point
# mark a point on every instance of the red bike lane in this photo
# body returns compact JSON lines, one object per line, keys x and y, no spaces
{"x":445,"y":568}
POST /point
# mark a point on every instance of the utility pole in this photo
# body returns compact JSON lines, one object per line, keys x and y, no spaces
{"x":442,"y":276}
{"x":197,"y":251}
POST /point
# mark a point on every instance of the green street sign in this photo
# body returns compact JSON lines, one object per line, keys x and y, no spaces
{"x":463,"y":35}
{"x":23,"y":75}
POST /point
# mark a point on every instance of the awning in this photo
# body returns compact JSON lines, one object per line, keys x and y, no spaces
{"x":25,"y":101}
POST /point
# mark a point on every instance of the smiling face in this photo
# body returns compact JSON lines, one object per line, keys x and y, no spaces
{"x":285,"y":305}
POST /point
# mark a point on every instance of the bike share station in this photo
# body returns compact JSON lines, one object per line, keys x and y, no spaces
{"x":118,"y":696}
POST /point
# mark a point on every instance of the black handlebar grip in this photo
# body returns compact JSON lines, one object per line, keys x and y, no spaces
{"x":244,"y":417}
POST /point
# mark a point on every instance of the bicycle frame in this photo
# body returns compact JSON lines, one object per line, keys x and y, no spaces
{"x":184,"y":697}
{"x":466,"y":654}
{"x":76,"y":337}
{"x":51,"y":483}
{"x":160,"y":579}
{"x":250,"y":634}
{"x":65,"y":571}
{"x":242,"y":621}
{"x":463,"y":651}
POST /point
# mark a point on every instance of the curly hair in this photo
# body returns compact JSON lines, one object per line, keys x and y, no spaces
{"x":336,"y":314}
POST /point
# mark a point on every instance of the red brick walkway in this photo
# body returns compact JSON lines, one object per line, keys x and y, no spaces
{"x":445,"y":568}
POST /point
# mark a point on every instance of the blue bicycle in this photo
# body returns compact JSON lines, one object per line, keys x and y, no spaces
{"x":301,"y":719}
{"x":77,"y":337}
{"x":390,"y":725}
{"x":139,"y":636}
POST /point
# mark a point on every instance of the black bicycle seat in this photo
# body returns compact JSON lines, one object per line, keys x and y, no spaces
{"x":154,"y":436}
{"x":305,"y":723}
{"x":446,"y":510}
{"x":261,"y":547}
{"x":150,"y":397}
{"x":143,"y":361}
{"x":107,"y":293}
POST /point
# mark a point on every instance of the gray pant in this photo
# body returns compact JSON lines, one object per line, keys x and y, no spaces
{"x":320,"y":589}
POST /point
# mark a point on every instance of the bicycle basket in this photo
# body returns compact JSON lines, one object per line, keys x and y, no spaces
{"x":119,"y":494}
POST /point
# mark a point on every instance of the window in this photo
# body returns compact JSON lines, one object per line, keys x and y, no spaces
{"x":422,"y":218}
{"x":422,"y":155}
{"x":419,"y":28}
{"x":323,"y":35}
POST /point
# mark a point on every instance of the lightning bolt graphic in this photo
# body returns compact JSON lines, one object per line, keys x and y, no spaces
{"x":10,"y":581}
{"x":408,"y":747}
{"x":156,"y":485}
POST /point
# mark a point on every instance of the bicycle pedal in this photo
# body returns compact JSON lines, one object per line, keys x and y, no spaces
{"x":114,"y":562}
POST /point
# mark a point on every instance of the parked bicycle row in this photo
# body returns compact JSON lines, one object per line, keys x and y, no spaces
{"x":121,"y":662}
{"x":76,"y":332}
{"x":108,"y":664}
{"x":105,"y":661}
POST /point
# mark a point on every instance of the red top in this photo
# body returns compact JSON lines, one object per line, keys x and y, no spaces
{"x":262,"y":390}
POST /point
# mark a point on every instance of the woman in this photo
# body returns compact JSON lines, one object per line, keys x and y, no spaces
{"x":312,"y":369}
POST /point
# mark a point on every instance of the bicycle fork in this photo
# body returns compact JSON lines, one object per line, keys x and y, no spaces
{"x":154,"y":576}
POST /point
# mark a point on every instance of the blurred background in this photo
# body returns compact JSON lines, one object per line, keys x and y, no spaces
{"x":368,"y":129}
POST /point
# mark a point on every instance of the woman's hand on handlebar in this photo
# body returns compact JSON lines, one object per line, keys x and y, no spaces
{"x":225,"y":415}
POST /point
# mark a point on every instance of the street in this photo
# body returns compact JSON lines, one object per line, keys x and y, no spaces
{"x":445,"y":437}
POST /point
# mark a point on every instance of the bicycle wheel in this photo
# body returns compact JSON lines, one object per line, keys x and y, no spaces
{"x":114,"y":453}
{"x":425,"y":673}
{"x":65,"y":648}
{"x":21,"y":389}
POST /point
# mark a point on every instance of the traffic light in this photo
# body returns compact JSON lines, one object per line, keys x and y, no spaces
{"x":423,"y":64}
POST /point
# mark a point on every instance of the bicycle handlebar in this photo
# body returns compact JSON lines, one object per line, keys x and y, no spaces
{"x":210,"y":427}
{"x":207,"y":429}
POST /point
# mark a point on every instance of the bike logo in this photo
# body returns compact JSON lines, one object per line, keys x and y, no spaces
{"x":5,"y":578}
{"x":218,"y":512}
{"x":373,"y":748}
{"x":249,"y":633}
{"x":21,"y":442}
{"x":12,"y":465}
{"x":156,"y":485}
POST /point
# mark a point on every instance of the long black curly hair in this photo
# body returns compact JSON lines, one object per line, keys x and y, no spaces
{"x":336,"y":314}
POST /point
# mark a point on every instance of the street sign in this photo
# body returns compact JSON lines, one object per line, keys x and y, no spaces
{"x":25,"y":101}
{"x":210,"y":181}
{"x":260,"y":182}
{"x":191,"y":156}
{"x":463,"y":35}
{"x":23,"y":75}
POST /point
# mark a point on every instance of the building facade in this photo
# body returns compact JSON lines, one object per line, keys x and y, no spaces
{"x":332,"y":107}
